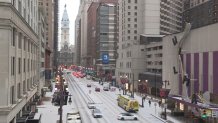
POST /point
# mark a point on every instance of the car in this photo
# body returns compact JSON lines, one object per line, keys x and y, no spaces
{"x":89,"y":85}
{"x":73,"y":117}
{"x":97,"y":89}
{"x":96,"y":113}
{"x":127,"y":116}
{"x":91,"y":105}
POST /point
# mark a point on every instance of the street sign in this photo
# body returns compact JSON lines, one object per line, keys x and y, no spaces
{"x":214,"y":113}
{"x":105,"y":58}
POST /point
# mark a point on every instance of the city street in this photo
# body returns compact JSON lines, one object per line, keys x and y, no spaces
{"x":104,"y":100}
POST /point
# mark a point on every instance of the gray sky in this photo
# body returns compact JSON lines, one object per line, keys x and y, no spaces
{"x":72,"y":10}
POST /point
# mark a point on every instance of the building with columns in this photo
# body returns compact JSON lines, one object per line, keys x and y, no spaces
{"x":19,"y":58}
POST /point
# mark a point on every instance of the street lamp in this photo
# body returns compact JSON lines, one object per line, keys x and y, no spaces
{"x":165,"y":82}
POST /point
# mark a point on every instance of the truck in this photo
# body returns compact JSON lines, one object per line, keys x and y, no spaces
{"x":106,"y":86}
{"x":73,"y":117}
{"x":127,"y":103}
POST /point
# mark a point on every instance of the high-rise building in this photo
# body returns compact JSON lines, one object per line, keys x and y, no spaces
{"x":42,"y":46}
{"x":171,"y":16}
{"x":19,"y":58}
{"x":78,"y":40}
{"x":91,"y":31}
{"x":82,"y":17}
{"x":47,"y":5}
{"x":200,"y":13}
{"x":55,"y":33}
{"x":106,"y":39}
{"x":148,"y":20}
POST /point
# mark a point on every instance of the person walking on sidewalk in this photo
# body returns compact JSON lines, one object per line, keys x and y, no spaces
{"x":159,"y":103}
{"x":149,"y":103}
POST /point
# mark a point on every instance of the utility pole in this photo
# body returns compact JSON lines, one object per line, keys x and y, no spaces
{"x":61,"y":98}
{"x":133,"y":82}
{"x":165,"y":108}
{"x":155,"y":81}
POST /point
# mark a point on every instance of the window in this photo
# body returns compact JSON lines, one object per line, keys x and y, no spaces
{"x":129,"y":13}
{"x":14,"y":37}
{"x":12,"y":101}
{"x":14,"y":2}
{"x":135,"y":37}
{"x":20,"y":40}
{"x":135,"y":25}
{"x":19,"y":65}
{"x":136,"y":1}
{"x":129,"y":1}
{"x":129,"y":19}
{"x":19,"y":6}
{"x":128,"y":37}
{"x":135,"y":13}
{"x":129,"y":25}
{"x":128,"y":31}
{"x":28,"y":45}
{"x":135,"y":7}
{"x":24,"y":44}
{"x":135,"y":31}
{"x":129,"y":7}
{"x":31,"y":65}
{"x":18,"y":91}
{"x":135,"y":19}
{"x":12,"y":66}
{"x":24,"y":65}
{"x":24,"y":86}
{"x":28,"y":65}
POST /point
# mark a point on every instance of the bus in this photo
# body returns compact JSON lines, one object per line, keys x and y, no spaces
{"x":127,"y":103}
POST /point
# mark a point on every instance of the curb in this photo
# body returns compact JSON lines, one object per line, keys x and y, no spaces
{"x":159,"y":118}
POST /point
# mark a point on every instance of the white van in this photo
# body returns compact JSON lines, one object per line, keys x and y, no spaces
{"x":106,"y":86}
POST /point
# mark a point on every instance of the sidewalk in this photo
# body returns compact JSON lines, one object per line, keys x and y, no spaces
{"x":49,"y":111}
{"x":170,"y":118}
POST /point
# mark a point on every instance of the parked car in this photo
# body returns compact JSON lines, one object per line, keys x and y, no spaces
{"x":97,"y":89}
{"x":96,"y":113}
{"x":89,"y":85}
{"x":127,"y":116}
{"x":91,"y":105}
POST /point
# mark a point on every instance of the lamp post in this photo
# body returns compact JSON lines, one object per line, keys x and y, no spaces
{"x":165,"y":82}
{"x":155,"y":81}
{"x":60,"y":110}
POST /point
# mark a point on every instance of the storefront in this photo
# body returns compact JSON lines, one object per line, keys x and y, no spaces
{"x":198,"y":112}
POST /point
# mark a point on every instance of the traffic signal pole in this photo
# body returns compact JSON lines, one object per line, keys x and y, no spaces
{"x":61,"y":98}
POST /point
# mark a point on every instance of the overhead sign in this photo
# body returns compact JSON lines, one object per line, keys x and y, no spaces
{"x":105,"y":58}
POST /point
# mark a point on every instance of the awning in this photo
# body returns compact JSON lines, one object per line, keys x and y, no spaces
{"x":180,"y":99}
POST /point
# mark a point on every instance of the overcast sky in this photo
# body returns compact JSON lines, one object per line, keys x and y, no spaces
{"x":72,"y":10}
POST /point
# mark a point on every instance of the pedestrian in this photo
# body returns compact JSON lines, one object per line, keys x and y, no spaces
{"x":149,"y":103}
{"x":159,"y":103}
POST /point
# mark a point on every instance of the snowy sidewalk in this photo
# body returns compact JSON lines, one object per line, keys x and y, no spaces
{"x":49,"y":111}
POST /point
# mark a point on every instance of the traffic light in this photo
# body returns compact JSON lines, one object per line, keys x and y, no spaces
{"x":192,"y":115}
{"x":204,"y":114}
